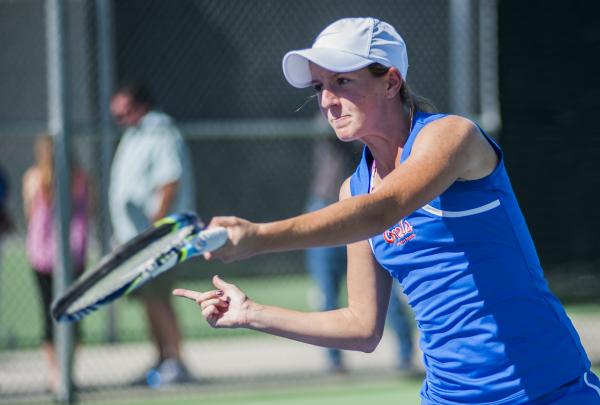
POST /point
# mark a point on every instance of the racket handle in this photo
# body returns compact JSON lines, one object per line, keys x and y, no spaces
{"x":209,"y":240}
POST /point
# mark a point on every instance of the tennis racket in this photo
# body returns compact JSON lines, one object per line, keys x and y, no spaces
{"x":159,"y":248}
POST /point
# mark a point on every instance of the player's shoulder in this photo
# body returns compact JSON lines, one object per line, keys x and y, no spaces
{"x":458,"y":139}
{"x":451,"y":130}
{"x":455,"y":124}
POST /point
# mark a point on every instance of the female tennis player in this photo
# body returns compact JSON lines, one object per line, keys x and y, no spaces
{"x":430,"y":204}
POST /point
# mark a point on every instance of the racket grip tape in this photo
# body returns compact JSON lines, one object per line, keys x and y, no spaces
{"x":210,"y":239}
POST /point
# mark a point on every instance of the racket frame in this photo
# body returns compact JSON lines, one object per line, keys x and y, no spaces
{"x":161,"y":228}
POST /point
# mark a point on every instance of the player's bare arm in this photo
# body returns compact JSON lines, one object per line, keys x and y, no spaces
{"x":359,"y":326}
{"x":447,"y":150}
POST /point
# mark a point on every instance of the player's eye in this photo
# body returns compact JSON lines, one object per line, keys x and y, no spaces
{"x":342,"y":80}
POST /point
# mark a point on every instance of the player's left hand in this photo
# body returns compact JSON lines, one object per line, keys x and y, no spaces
{"x":225,"y":307}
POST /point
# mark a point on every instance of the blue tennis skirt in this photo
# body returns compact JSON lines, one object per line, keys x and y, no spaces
{"x":583,"y":390}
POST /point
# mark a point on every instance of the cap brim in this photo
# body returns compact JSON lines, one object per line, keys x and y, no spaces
{"x":296,"y":64}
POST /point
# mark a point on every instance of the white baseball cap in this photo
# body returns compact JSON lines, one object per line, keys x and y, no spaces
{"x":347,"y":45}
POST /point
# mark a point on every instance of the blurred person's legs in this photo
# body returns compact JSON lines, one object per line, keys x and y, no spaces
{"x":398,"y":317}
{"x":163,"y":327}
{"x":165,"y":332}
{"x":45,"y":286}
{"x":52,"y":362}
{"x":44,"y":282}
{"x":327,"y":267}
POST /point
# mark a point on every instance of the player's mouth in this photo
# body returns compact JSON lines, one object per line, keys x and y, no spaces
{"x":338,"y":121}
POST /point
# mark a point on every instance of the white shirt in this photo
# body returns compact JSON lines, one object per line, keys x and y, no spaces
{"x":149,"y":156}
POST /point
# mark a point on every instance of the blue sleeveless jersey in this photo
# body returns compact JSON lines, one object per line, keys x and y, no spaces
{"x":491,"y":330}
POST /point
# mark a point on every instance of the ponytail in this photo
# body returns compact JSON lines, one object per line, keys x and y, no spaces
{"x":410,"y":100}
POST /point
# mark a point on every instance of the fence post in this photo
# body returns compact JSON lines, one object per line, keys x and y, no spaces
{"x":59,"y":128}
{"x":106,"y":84}
{"x":462,"y":58}
{"x":489,"y":93}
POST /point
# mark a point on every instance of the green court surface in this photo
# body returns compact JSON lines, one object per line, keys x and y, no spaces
{"x":350,"y":392}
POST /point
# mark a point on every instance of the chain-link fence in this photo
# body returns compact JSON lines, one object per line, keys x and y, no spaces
{"x":215,"y":66}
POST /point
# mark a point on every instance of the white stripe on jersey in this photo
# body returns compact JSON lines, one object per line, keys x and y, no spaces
{"x":589,"y":384}
{"x":458,"y":214}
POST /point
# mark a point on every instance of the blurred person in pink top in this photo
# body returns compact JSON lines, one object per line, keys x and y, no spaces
{"x":38,"y":200}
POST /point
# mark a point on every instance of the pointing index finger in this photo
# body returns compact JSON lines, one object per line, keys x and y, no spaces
{"x":189,"y":294}
{"x":196,"y":296}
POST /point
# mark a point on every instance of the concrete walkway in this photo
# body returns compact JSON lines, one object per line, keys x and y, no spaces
{"x":216,"y":364}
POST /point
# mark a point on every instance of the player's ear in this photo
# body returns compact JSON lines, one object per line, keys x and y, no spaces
{"x":394,"y":83}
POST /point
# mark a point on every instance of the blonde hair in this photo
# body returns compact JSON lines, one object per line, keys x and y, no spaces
{"x":44,"y":157}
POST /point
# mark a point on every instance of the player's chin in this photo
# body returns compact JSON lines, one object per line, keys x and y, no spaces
{"x":346,"y":139}
{"x":345,"y":134}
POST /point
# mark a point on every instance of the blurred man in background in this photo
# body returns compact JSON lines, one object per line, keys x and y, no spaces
{"x":151,"y":177}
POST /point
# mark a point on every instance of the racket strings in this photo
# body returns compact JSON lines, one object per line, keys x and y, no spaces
{"x":140,"y":267}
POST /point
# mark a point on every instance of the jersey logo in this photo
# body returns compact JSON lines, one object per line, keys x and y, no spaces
{"x":399,"y":234}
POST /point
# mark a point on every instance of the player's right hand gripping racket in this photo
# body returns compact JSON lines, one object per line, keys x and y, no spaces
{"x":168,"y":242}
